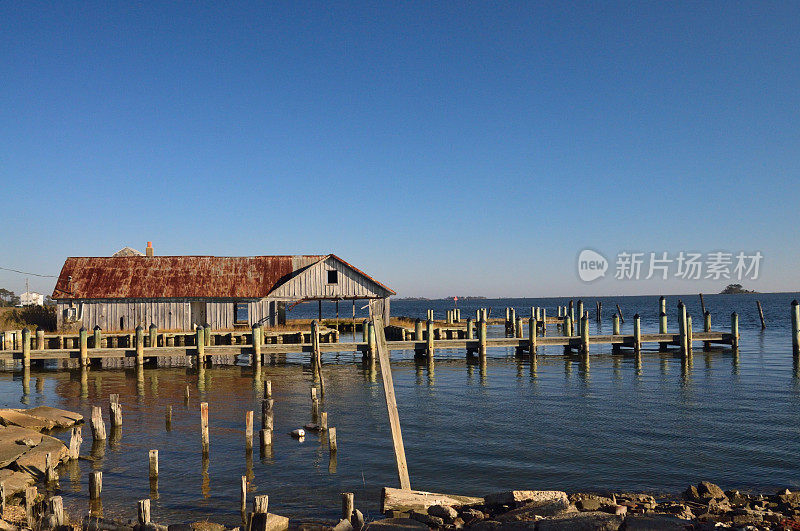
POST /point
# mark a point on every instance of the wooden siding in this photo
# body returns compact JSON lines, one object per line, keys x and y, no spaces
{"x":313,"y":284}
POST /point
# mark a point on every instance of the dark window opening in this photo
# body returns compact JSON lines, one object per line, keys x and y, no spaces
{"x":333,"y":277}
{"x":122,"y":323}
{"x":240,"y":313}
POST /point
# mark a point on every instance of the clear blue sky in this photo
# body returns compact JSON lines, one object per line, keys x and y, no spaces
{"x":470,"y":148}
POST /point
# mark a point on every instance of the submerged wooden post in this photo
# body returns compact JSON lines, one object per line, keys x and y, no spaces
{"x":265,"y":437}
{"x":248,"y":430}
{"x":256,"y":361}
{"x":115,"y":412}
{"x":153,"y":459}
{"x":168,"y":418}
{"x":761,"y":315}
{"x":332,"y":440}
{"x":584,"y":334}
{"x":532,"y":336}
{"x":201,"y":342}
{"x":98,"y":426}
{"x":204,"y":426}
{"x":139,"y":345}
{"x":735,"y":331}
{"x":429,"y":339}
{"x":795,"y":328}
{"x":84,"y":345}
{"x":95,"y":485}
{"x":26,"y":347}
{"x":97,"y":340}
{"x":143,"y":511}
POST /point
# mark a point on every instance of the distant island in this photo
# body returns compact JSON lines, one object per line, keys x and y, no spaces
{"x":735,"y":289}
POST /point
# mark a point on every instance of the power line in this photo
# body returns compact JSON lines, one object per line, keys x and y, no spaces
{"x":27,"y":273}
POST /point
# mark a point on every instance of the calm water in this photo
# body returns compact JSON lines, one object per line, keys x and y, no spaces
{"x":657,"y":425}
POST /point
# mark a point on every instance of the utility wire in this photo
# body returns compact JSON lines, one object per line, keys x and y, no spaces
{"x":27,"y":273}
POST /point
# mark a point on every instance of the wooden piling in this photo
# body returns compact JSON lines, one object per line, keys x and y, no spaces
{"x":566,"y":328}
{"x":26,"y":347}
{"x":265,"y":437}
{"x":599,"y":311}
{"x":153,"y":334}
{"x":97,"y":337}
{"x":201,"y":342}
{"x":40,"y":341}
{"x":115,"y":412}
{"x":795,"y":328}
{"x":532,"y":336}
{"x":204,"y":426}
{"x":98,"y":426}
{"x":186,"y":394}
{"x":470,"y":328}
{"x":243,"y":494}
{"x":75,"y":441}
{"x":168,"y":418}
{"x":702,"y":304}
{"x":323,"y":421}
{"x":153,"y":459}
{"x":418,"y":330}
{"x":615,"y":330}
{"x":55,"y":506}
{"x":584,"y":333}
{"x":365,"y":331}
{"x":429,"y":339}
{"x":482,"y":337}
{"x":95,"y":485}
{"x":689,"y":333}
{"x":518,"y":328}
{"x":84,"y":345}
{"x":260,"y":504}
{"x":332,"y":447}
{"x":619,"y":312}
{"x":248,"y":430}
{"x":143,"y":511}
{"x":139,"y":345}
{"x":578,"y":323}
{"x":761,"y":315}
{"x":682,"y":328}
{"x":637,"y":334}
{"x":50,"y":475}
{"x":348,"y":505}
{"x":371,"y":340}
{"x":268,"y":389}
{"x":256,"y":330}
{"x":735,"y":331}
{"x":30,"y":500}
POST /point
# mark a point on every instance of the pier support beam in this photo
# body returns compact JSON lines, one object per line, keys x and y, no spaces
{"x":26,"y":347}
{"x":795,"y":328}
{"x":429,"y":339}
{"x":735,"y":331}
{"x":139,"y":345}
{"x":584,"y":333}
{"x":84,"y":345}
{"x":532,"y":336}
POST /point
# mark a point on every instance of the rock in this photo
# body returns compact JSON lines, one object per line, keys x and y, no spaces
{"x":425,"y":518}
{"x":691,"y":494}
{"x":445,"y":512}
{"x":707,"y":490}
{"x":15,"y":481}
{"x":782,"y":492}
{"x":487,"y":525}
{"x":6,"y":526}
{"x":470,"y":514}
{"x":343,"y":525}
{"x":95,"y":523}
{"x":654,"y":523}
{"x":397,"y":524}
{"x":544,"y":507}
{"x":179,"y":527}
{"x":17,"y":417}
{"x":357,"y":520}
{"x":10,"y":448}
{"x":582,"y":521}
{"x":619,"y":509}
{"x":520,"y":496}
{"x":590,"y":502}
{"x":33,"y":461}
{"x":274,"y":522}
{"x":457,"y":523}
{"x":205,"y":525}
{"x":59,"y":417}
{"x":408,"y":500}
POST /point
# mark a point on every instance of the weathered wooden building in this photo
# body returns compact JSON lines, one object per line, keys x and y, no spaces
{"x":181,"y":292}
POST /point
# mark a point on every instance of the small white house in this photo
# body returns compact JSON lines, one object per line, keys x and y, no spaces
{"x":31,"y":298}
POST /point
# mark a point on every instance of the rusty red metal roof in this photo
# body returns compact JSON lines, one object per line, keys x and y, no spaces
{"x":133,"y":277}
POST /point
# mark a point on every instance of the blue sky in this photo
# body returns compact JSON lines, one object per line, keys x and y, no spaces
{"x":469,"y":148}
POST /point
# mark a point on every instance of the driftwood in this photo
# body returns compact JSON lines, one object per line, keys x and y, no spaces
{"x":417,"y":500}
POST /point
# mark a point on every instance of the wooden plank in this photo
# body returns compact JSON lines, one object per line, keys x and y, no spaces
{"x":391,"y":401}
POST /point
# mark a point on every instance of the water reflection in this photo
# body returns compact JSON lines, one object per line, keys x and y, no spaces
{"x":205,"y":484}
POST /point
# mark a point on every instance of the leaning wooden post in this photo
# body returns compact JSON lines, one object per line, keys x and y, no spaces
{"x":143,"y":511}
{"x":256,"y":345}
{"x":761,"y":315}
{"x":429,"y":339}
{"x":702,"y":304}
{"x":795,"y":328}
{"x":98,"y":426}
{"x":139,"y":345}
{"x":204,"y":426}
{"x":84,"y":345}
{"x":95,"y":485}
{"x":201,"y":354}
{"x":153,"y":459}
{"x":584,"y":333}
{"x":619,"y":312}
{"x":97,"y":341}
{"x":348,"y":502}
{"x":735,"y":331}
{"x":26,"y":347}
{"x":532,"y":336}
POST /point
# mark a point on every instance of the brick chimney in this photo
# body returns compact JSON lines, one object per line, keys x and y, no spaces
{"x":149,"y":250}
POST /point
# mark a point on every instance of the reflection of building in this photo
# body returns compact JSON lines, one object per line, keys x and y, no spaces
{"x":31,"y":298}
{"x":179,"y":292}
